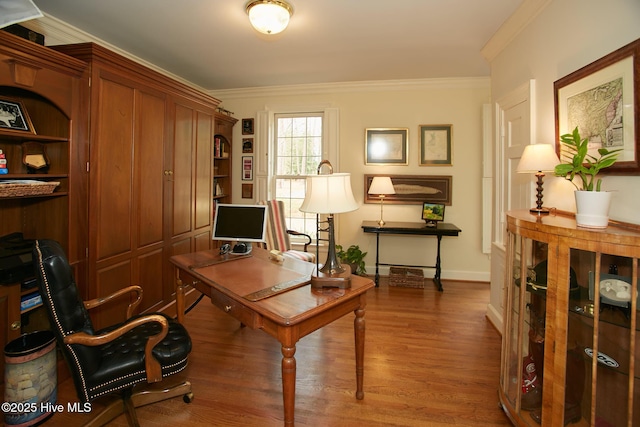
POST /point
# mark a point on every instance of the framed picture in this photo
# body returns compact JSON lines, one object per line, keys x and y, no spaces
{"x":387,"y":146}
{"x":247,"y":191}
{"x":247,"y":168}
{"x":432,"y":212}
{"x":247,"y":126}
{"x":602,"y":100}
{"x":413,"y":189}
{"x":435,"y":145}
{"x":247,"y":145}
{"x":14,"y":117}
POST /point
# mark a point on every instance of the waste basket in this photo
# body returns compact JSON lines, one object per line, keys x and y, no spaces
{"x":30,"y":378}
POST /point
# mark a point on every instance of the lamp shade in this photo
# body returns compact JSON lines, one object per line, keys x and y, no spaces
{"x":381,"y":185}
{"x":329,"y":194}
{"x":537,"y":158}
{"x":269,"y":16}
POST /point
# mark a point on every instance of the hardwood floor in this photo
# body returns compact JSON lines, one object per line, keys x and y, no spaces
{"x":431,"y":359}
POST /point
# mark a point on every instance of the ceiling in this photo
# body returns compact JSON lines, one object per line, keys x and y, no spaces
{"x":211,"y":43}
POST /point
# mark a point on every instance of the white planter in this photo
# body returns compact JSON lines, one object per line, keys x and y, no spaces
{"x":592,"y":208}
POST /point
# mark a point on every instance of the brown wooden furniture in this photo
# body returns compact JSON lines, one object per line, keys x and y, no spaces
{"x":150,"y":175}
{"x":287,"y":316}
{"x":47,"y":84}
{"x":570,"y":349}
{"x":222,"y":157}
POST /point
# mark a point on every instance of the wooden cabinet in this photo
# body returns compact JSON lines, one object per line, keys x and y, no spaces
{"x":571,"y":341}
{"x":222,"y":158}
{"x":150,"y":175}
{"x":46,"y":84}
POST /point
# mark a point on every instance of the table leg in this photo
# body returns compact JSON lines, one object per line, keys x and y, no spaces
{"x":358,"y":327}
{"x":377,"y":278}
{"x":436,"y":278}
{"x":289,"y":384}
{"x":179,"y":298}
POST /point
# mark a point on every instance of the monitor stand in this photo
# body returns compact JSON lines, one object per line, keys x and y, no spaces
{"x":242,"y":248}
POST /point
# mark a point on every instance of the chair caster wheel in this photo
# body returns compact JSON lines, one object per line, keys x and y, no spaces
{"x":188,"y":398}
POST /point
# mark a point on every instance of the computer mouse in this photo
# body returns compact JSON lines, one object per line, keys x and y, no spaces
{"x":240,"y":248}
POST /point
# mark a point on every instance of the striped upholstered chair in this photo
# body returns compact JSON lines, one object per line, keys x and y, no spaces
{"x":278,"y":234}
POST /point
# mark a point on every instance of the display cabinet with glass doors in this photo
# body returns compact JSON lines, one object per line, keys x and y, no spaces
{"x":570,"y":341}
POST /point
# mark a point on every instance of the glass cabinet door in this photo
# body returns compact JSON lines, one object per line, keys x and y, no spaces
{"x":602,"y":341}
{"x":525,"y":305}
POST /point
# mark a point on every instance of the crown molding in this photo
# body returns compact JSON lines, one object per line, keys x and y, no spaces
{"x":351,"y":87}
{"x":514,"y":25}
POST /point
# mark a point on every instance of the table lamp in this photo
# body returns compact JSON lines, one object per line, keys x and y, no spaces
{"x":381,"y":185}
{"x":538,"y":159}
{"x":329,"y":194}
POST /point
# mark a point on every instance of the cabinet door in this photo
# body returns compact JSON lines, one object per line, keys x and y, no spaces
{"x":127,"y":177}
{"x":526,"y":317}
{"x":602,"y":363}
{"x":9,"y":316}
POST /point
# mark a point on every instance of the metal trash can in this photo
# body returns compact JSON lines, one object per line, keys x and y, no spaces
{"x":30,"y":378}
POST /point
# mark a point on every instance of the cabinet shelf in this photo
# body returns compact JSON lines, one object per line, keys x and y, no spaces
{"x":21,"y":137}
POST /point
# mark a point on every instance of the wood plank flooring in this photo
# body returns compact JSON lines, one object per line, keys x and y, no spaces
{"x":431,"y":359}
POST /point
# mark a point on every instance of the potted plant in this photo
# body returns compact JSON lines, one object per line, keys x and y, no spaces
{"x":354,"y":257}
{"x":578,"y":162}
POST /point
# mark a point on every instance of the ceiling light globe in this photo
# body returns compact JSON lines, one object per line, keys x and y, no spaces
{"x":269,"y":16}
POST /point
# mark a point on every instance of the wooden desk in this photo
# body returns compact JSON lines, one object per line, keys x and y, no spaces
{"x":412,"y":228}
{"x":287,"y":316}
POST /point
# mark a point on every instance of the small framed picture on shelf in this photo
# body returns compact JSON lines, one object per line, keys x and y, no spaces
{"x":247,"y":168}
{"x":247,"y":126}
{"x":14,"y":117}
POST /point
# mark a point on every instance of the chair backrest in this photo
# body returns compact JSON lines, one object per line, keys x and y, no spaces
{"x":277,"y":237}
{"x":64,"y":306}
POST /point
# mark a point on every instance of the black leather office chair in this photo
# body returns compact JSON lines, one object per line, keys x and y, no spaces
{"x":143,"y":349}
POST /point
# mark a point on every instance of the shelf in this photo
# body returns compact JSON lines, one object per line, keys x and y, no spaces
{"x":25,"y":136}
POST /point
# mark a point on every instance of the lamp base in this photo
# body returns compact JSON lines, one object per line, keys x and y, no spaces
{"x":539,"y":211}
{"x":335,"y":280}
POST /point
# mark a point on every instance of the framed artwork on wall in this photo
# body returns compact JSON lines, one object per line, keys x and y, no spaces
{"x":247,"y":145}
{"x":435,"y":145}
{"x":601,"y":99}
{"x":413,"y":189}
{"x":247,"y":126}
{"x":247,"y":168}
{"x":386,"y":146}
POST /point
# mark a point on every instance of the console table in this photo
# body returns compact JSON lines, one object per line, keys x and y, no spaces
{"x":411,"y":228}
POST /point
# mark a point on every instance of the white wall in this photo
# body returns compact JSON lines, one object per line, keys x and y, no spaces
{"x":396,"y":104}
{"x":565,"y":36}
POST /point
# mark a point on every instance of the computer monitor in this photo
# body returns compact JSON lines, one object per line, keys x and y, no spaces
{"x":240,"y":223}
{"x":432,"y":213}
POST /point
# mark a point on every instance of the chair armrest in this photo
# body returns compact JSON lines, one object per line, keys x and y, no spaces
{"x":89,"y":304}
{"x":153,"y":368}
{"x":297,"y":233}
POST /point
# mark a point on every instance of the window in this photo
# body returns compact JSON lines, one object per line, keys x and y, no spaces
{"x":299,"y":148}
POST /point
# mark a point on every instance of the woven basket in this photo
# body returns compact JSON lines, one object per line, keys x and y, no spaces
{"x":406,"y":277}
{"x":17,"y":188}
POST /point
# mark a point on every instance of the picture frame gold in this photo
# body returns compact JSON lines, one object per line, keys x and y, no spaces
{"x":436,"y":145}
{"x":386,"y":146}
{"x":615,"y":78}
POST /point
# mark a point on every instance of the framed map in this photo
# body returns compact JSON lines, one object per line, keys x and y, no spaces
{"x":601,"y":99}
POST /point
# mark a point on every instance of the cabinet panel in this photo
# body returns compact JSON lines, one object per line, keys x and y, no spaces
{"x":111,"y":166}
{"x":203,"y":164}
{"x":182,"y":159}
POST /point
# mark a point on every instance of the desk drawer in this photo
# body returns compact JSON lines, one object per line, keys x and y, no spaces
{"x":235,"y":309}
{"x":223,"y":302}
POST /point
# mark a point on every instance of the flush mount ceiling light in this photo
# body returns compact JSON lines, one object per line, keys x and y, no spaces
{"x":269,"y":16}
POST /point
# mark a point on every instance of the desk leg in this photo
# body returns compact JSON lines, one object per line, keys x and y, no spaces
{"x":436,"y":278}
{"x":179,"y":298}
{"x":377,"y":278}
{"x":358,"y":327}
{"x":289,"y":384}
